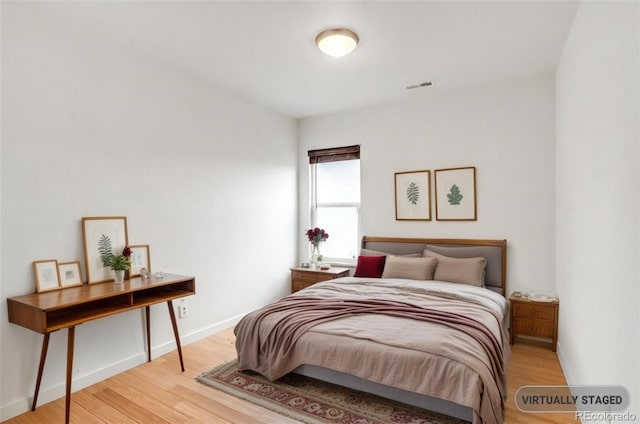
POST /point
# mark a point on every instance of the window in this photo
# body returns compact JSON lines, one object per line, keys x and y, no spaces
{"x":335,"y":199}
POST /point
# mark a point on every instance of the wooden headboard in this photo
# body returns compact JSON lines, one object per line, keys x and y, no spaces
{"x":494,"y":251}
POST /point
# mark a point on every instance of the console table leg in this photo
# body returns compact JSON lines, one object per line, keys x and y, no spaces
{"x":172,"y":314}
{"x":67,"y":401}
{"x":43,"y":357}
{"x":148,"y":315}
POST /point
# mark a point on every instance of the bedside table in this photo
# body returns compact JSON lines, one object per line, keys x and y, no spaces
{"x":302,"y":278}
{"x":534,"y":318}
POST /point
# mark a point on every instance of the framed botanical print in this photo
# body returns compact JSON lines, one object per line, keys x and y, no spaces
{"x":70,"y":274}
{"x":456,"y":194}
{"x":93,"y":228}
{"x":46,"y":273}
{"x":413,"y":196}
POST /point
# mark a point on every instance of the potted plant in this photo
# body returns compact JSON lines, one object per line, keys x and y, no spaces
{"x":118,"y":263}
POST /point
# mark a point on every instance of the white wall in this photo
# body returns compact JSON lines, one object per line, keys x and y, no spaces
{"x":597,"y":197}
{"x":506,"y":130}
{"x":205,"y":178}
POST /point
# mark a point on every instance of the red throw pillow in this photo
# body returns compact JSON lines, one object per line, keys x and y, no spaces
{"x":370,"y":266}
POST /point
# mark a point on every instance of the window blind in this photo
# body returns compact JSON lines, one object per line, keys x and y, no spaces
{"x":334,"y":154}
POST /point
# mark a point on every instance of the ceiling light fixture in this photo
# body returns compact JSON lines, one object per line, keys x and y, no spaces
{"x":337,"y":42}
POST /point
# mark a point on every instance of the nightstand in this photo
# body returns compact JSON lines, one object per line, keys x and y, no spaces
{"x":534,"y":318}
{"x":302,"y":278}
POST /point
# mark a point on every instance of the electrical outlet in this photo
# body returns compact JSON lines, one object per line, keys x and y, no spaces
{"x":182,"y":309}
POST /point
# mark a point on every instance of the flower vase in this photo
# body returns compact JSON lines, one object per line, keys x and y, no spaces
{"x":315,"y":255}
{"x":118,"y":276}
{"x":126,"y":274}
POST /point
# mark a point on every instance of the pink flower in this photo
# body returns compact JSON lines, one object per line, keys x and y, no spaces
{"x":126,"y":252}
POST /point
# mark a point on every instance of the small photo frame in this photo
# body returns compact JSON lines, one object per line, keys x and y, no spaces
{"x":456,"y":194}
{"x":140,"y":258}
{"x":70,"y":274}
{"x":413,"y":195}
{"x":46,"y":273}
{"x":114,"y":227}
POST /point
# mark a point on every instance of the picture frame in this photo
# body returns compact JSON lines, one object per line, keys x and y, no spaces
{"x":455,"y":190}
{"x":140,"y":258}
{"x":413,"y":195}
{"x":70,"y":274}
{"x":46,"y":273}
{"x":115,"y":227}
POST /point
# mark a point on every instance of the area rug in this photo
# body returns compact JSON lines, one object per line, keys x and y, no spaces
{"x":312,"y":401}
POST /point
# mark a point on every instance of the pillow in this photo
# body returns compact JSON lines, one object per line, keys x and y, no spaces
{"x":369,"y":266}
{"x":369,"y":252}
{"x":458,"y":270}
{"x":409,"y":267}
{"x":493,"y":255}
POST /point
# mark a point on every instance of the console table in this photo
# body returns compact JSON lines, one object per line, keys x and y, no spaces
{"x":51,"y":311}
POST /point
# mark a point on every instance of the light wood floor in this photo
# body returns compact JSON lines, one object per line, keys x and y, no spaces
{"x":157,"y":392}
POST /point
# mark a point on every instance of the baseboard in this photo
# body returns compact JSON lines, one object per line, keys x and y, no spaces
{"x":207,"y":331}
{"x":80,"y":382}
{"x":562,"y":358}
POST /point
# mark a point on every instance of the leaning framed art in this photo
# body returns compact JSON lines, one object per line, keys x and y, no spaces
{"x":46,"y":273}
{"x":114,"y":227}
{"x":455,"y":190}
{"x":140,"y":258}
{"x":413,"y":195}
{"x":70,"y":274}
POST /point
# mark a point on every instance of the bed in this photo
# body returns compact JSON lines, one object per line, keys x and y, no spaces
{"x":421,"y":321}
